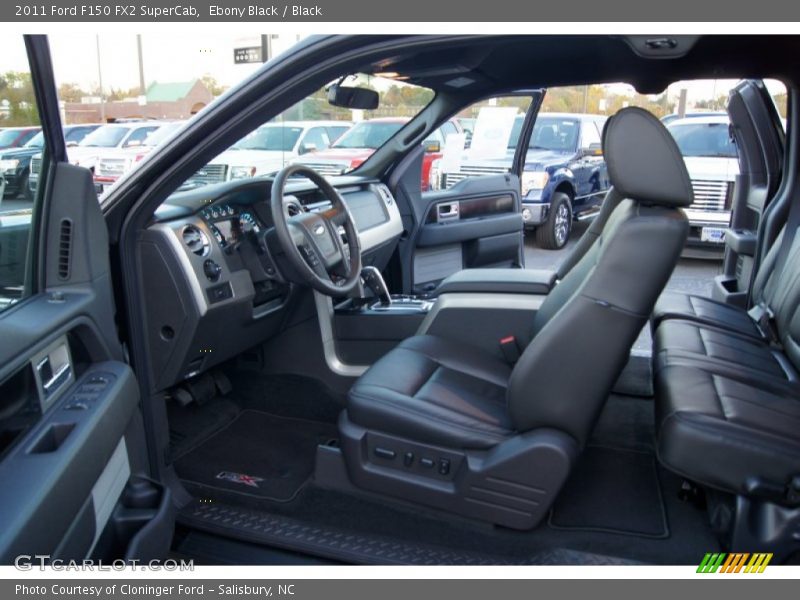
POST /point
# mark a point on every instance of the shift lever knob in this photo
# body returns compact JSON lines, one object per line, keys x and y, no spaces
{"x":373,"y":279}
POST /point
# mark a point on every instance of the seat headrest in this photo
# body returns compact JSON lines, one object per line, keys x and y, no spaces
{"x":644,"y":162}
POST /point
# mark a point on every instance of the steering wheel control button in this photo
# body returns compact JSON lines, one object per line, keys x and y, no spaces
{"x":428,"y":463}
{"x":218,"y":293}
{"x":444,"y":466}
{"x":408,"y":459}
{"x":384,"y":453}
{"x":309,"y":255}
{"x":211,"y":270}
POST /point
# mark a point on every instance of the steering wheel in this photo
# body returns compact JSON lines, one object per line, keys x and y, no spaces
{"x":311,"y":240}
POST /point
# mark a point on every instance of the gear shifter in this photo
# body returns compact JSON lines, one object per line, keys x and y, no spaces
{"x":373,"y":279}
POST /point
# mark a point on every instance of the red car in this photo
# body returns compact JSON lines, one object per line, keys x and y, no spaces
{"x":16,"y":137}
{"x":358,"y":144}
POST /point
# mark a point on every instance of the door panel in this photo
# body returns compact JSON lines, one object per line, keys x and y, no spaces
{"x":476,"y":223}
{"x":72,"y":455}
{"x":472,"y":216}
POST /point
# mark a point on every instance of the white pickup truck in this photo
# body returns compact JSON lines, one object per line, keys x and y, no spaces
{"x":270,"y":148}
{"x":712,"y":161}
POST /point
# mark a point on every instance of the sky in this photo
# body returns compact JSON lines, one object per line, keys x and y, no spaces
{"x":181,"y":57}
{"x":166,"y":57}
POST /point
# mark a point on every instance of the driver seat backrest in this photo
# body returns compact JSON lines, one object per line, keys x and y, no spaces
{"x":586,"y":241}
{"x":586,"y":326}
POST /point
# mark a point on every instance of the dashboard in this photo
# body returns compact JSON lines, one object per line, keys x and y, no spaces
{"x":215,"y":279}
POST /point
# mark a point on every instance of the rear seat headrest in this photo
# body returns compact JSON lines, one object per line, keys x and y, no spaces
{"x":644,"y":162}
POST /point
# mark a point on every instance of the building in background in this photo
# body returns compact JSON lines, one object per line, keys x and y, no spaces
{"x":172,"y":100}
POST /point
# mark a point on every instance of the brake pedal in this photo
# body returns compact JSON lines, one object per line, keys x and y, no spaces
{"x":224,"y":385}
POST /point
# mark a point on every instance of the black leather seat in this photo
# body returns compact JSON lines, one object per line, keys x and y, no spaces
{"x":703,"y":310}
{"x":503,"y":439}
{"x":725,"y":431}
{"x":436,"y":391}
{"x":749,"y":346}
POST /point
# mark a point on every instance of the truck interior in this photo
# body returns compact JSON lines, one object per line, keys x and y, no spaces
{"x":344,"y":369}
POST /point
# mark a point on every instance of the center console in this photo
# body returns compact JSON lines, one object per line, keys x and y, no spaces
{"x":478,"y":307}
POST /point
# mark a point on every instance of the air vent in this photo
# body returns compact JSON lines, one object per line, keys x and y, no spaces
{"x":196,"y":240}
{"x":64,"y":249}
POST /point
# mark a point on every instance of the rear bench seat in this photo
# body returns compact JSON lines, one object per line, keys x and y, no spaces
{"x":728,"y":403}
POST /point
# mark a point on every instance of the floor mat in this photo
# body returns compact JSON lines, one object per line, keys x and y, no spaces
{"x":612,"y":490}
{"x":636,"y":378}
{"x":627,"y":423}
{"x":286,"y":395}
{"x":258,"y":455}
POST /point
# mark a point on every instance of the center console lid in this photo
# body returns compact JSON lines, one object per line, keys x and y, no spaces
{"x":505,"y":281}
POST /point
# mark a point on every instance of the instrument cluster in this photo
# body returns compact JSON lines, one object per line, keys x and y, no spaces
{"x":229,"y":222}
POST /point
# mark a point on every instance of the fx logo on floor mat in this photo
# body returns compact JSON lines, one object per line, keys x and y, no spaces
{"x":248,"y":480}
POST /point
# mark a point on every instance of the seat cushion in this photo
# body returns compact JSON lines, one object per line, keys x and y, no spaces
{"x":674,"y":305}
{"x":435,"y":391}
{"x":676,"y":339}
{"x":720,"y":431}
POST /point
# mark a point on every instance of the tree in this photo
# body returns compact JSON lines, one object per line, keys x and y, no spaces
{"x":17,"y":89}
{"x":71,"y":92}
{"x":781,"y":102}
{"x":213,"y":85}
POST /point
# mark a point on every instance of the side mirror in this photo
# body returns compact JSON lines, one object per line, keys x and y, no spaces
{"x":71,"y":144}
{"x":595,"y":149}
{"x":307,"y":147}
{"x":432,"y":146}
{"x":353,"y":97}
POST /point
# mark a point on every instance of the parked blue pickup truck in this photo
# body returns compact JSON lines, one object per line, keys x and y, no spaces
{"x":565,"y":175}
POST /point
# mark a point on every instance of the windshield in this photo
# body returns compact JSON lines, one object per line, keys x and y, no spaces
{"x":8,"y":137}
{"x":36,"y":141}
{"x":703,"y":139}
{"x":307,"y":130}
{"x":369,"y":134}
{"x":105,"y":137}
{"x":270,"y":137}
{"x":160,"y":134}
{"x":549,"y":133}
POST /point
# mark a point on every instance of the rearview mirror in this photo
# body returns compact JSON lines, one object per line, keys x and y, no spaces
{"x":352,"y":97}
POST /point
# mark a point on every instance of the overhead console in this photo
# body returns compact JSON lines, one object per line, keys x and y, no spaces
{"x":214,"y":282}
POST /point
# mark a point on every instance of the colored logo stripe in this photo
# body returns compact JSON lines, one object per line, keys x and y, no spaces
{"x":758,"y":563}
{"x":734,"y":562}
